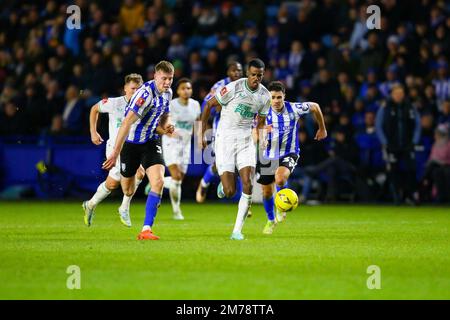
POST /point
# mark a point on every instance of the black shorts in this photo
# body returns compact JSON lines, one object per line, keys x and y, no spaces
{"x":265,"y":172}
{"x":133,"y":155}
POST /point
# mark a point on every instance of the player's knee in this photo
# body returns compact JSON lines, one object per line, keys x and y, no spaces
{"x":157,"y":184}
{"x":177,"y":176}
{"x":247,"y":188}
{"x":128,"y":192}
{"x":267,"y":194}
{"x":112,"y":184}
{"x":280,"y":180}
{"x":229,"y":191}
{"x":140,"y":173}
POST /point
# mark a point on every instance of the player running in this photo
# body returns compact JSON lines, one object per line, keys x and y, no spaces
{"x":146,"y":118}
{"x":234,"y":72}
{"x":240,"y":101}
{"x":115,"y":107}
{"x":184,"y":111}
{"x":282,"y":147}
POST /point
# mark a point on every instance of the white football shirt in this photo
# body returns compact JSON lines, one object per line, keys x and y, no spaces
{"x":240,"y":105}
{"x":184,"y":116}
{"x":115,"y":107}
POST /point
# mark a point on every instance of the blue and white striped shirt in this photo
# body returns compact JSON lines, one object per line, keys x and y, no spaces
{"x":283,"y":140}
{"x":216,"y":87}
{"x":149,"y":105}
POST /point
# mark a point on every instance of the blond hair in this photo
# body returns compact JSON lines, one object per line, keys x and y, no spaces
{"x":164,"y":66}
{"x":134,"y":77}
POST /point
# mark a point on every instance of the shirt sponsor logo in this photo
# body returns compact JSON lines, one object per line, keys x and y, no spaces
{"x":244,"y":111}
{"x":183,"y":125}
{"x":283,"y":128}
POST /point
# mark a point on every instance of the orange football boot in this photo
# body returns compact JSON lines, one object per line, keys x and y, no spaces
{"x":147,"y":235}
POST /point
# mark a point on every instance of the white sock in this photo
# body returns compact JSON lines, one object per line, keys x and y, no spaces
{"x":175,"y":195}
{"x":244,"y":204}
{"x":168,"y":182}
{"x":99,"y":196}
{"x":204,"y":184}
{"x":125,"y":206}
{"x":144,"y":228}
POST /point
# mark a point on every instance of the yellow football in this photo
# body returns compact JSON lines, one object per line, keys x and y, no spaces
{"x":286,"y":200}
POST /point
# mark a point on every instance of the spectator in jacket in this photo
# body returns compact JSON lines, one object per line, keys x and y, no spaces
{"x":73,"y":111}
{"x":398,"y":129}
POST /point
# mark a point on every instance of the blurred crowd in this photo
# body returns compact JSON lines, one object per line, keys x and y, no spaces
{"x":50,"y":75}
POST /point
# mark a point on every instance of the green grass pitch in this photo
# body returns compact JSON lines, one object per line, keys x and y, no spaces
{"x":320,"y":252}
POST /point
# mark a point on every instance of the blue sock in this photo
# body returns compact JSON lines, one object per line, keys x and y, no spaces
{"x":209,"y":175}
{"x":151,"y":208}
{"x":283,"y":187}
{"x":269,"y":207}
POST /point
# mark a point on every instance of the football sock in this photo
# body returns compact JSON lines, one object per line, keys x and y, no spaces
{"x":175,"y":195}
{"x":101,"y":193}
{"x":168,"y":181}
{"x":208,"y":176}
{"x":151,"y":207}
{"x":244,"y":204}
{"x":281,"y":188}
{"x":269,"y":207}
{"x":125,"y":206}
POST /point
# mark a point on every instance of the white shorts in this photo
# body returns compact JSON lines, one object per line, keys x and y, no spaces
{"x":177,"y":151}
{"x":234,"y":151}
{"x":114,"y":173}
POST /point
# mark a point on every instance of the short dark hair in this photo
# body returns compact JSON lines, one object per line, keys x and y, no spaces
{"x":276,"y":86}
{"x":181,"y":81}
{"x":232,"y":64}
{"x":257,"y":63}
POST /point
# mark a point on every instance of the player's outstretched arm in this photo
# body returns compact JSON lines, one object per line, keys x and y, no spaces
{"x":318,"y":116}
{"x":121,"y":136}
{"x":205,"y":116}
{"x":93,"y":118}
